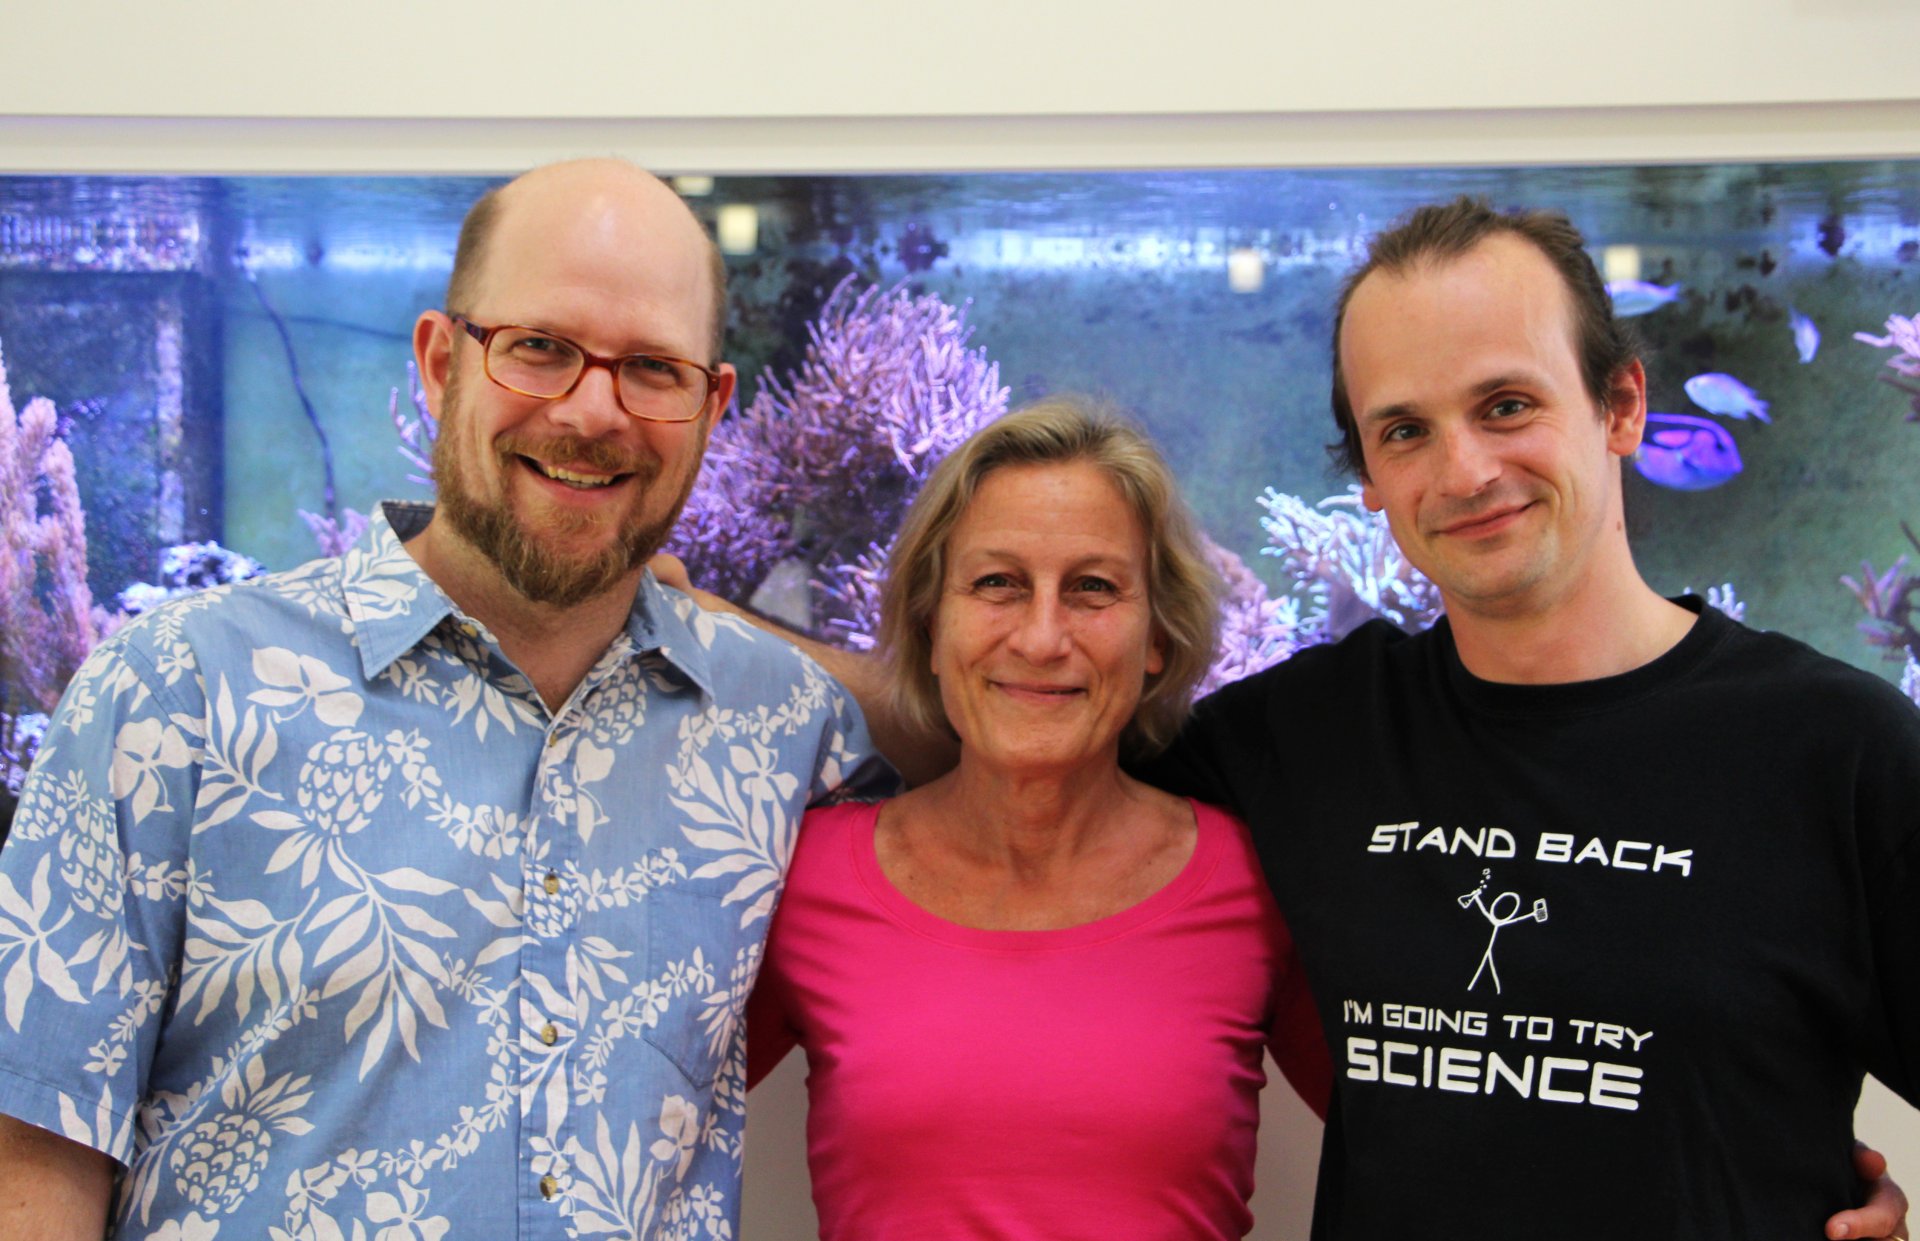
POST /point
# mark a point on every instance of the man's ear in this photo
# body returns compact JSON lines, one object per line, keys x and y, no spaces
{"x":722,"y":396}
{"x":1626,"y":411}
{"x":433,"y":355}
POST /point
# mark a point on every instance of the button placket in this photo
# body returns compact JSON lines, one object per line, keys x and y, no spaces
{"x":552,"y":922}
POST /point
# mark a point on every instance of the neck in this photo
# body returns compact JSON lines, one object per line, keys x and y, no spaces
{"x":1039,"y":821}
{"x":554,"y":647}
{"x":1609,"y":624}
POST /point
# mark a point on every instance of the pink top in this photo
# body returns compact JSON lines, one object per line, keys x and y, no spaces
{"x":1098,"y":1081}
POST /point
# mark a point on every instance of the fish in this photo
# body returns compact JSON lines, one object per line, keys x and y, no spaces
{"x":1687,"y":453}
{"x":1806,"y":337}
{"x":1720,"y":393}
{"x":1637,"y":297}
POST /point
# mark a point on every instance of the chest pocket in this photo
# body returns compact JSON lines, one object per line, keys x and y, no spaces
{"x":693,"y":943}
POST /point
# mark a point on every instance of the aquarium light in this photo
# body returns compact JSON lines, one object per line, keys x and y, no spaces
{"x":1246,"y":270}
{"x":737,"y":228}
{"x":1620,"y":263}
{"x":693,"y":187}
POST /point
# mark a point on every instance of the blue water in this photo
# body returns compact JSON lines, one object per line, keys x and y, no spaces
{"x":146,"y":309}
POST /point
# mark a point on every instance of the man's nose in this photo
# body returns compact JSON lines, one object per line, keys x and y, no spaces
{"x":1468,"y":464}
{"x":593,"y":408}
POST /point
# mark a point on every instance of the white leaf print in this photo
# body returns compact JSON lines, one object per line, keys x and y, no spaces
{"x":505,"y":946}
{"x":497,"y":912}
{"x":357,"y":969}
{"x":343,"y":937}
{"x":749,"y":885}
{"x":302,"y":679}
{"x":420,"y":920}
{"x":377,"y":1041}
{"x":592,"y":763}
{"x":53,"y":972}
{"x":18,"y":986}
{"x":407,"y":879}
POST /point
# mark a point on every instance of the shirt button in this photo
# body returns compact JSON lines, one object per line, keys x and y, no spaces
{"x":549,"y":1187}
{"x":553,"y":739}
{"x":549,"y":1035}
{"x":551,"y":883}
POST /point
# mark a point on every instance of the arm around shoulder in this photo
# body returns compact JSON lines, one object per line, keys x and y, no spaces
{"x":918,"y":755}
{"x":51,"y":1188}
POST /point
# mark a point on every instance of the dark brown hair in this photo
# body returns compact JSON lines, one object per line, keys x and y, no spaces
{"x":1441,"y":231}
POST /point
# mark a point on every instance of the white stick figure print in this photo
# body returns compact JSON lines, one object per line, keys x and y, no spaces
{"x":1505,"y":911}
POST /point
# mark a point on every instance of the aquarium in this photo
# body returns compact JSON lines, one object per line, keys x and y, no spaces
{"x":207,"y":377}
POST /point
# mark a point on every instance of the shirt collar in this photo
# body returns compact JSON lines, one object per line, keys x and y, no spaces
{"x":392,"y":605}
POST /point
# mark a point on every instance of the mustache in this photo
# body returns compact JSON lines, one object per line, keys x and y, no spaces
{"x":598,"y":455}
{"x":1458,"y":512}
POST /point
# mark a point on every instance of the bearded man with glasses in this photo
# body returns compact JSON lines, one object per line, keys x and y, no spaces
{"x":424,"y":886}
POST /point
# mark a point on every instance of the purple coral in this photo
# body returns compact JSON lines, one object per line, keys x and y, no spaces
{"x":1257,"y":631}
{"x":822,"y":464}
{"x":416,"y":433}
{"x":47,"y":619}
{"x":850,"y":593}
{"x":1892,"y":603}
{"x":334,"y":537}
{"x":1903,"y":368}
{"x":1346,"y":561}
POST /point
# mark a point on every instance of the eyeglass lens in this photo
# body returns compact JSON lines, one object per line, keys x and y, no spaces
{"x":662,"y":389}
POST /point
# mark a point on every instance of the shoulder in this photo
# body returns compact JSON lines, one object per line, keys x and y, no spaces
{"x":824,"y":854}
{"x":1773,"y":667}
{"x":736,"y":655}
{"x":258,"y":608}
{"x":171,"y":646}
{"x":1375,"y":649}
{"x":1226,"y":832}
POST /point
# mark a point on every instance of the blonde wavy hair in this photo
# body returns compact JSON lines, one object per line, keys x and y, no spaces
{"x":1183,"y":591}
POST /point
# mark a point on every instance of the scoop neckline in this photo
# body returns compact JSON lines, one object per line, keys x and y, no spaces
{"x":912,"y":916}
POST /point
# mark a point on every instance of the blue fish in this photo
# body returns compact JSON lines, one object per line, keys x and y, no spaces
{"x":1637,"y":297}
{"x":1720,"y":393}
{"x":1686,"y":453}
{"x":1806,"y":337}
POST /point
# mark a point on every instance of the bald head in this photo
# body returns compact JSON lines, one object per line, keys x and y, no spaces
{"x":578,"y":187}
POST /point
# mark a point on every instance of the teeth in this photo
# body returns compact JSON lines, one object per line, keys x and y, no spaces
{"x":578,"y":480}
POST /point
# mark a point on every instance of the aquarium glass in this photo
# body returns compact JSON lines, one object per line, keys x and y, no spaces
{"x":226,"y":360}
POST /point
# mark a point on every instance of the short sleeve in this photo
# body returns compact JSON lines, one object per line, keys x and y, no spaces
{"x":93,"y":886}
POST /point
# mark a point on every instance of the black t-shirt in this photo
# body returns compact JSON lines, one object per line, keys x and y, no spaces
{"x":1599,"y":960}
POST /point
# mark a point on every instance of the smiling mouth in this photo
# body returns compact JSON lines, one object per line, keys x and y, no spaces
{"x":575,"y":479}
{"x":1041,"y":691}
{"x":1482,"y":521}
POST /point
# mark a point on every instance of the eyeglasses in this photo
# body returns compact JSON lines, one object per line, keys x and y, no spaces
{"x":538,"y":363}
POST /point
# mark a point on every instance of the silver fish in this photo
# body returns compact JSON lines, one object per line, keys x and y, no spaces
{"x":1637,"y":297}
{"x":1720,"y":393}
{"x":1806,"y":337}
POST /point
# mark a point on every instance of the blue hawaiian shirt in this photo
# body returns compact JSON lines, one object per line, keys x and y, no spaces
{"x":316,"y":919}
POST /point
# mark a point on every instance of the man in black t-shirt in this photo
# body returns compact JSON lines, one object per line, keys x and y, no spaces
{"x":1607,"y":902}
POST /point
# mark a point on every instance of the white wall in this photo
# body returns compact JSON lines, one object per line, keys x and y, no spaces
{"x":843,"y":85}
{"x":215,"y":86}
